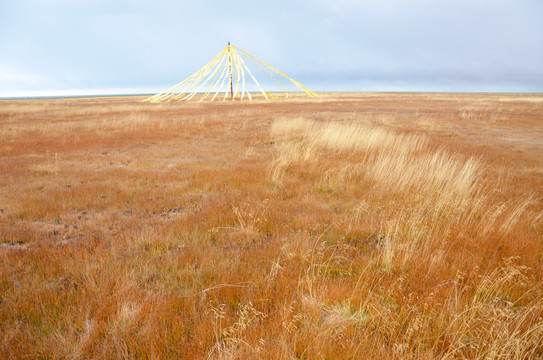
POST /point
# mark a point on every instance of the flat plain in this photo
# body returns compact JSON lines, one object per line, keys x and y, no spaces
{"x":356,"y":225}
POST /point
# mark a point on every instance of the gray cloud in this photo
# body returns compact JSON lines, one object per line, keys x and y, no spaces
{"x":450,"y":45}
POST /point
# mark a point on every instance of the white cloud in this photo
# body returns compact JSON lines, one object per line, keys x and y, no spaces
{"x":13,"y":79}
{"x":78,"y":92}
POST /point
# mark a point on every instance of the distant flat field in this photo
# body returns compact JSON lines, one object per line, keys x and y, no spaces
{"x":355,"y":225}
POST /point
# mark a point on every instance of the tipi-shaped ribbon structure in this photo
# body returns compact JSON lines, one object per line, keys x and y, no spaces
{"x":225,"y":73}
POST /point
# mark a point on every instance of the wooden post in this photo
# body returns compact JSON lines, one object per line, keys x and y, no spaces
{"x":230,"y":69}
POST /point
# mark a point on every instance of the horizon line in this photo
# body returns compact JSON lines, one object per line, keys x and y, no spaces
{"x":89,"y":93}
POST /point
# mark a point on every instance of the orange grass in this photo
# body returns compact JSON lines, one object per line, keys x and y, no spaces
{"x":378,"y":226}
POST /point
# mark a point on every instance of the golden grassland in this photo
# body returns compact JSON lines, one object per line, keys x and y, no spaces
{"x":370,"y":225}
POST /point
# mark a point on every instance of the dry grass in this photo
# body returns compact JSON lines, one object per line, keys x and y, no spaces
{"x":355,"y":226}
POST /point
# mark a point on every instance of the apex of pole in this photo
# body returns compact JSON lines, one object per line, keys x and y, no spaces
{"x":229,"y":43}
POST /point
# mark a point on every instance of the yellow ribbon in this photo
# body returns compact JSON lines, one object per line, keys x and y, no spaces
{"x":230,"y":65}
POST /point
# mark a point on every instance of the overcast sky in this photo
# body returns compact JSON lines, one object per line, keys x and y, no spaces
{"x":55,"y":46}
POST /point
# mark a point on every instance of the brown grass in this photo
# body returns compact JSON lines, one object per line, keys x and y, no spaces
{"x":382,"y":226}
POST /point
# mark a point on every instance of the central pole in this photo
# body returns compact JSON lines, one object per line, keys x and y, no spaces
{"x":230,"y":69}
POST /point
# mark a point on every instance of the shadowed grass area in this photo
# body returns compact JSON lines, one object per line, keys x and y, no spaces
{"x":382,"y":226}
